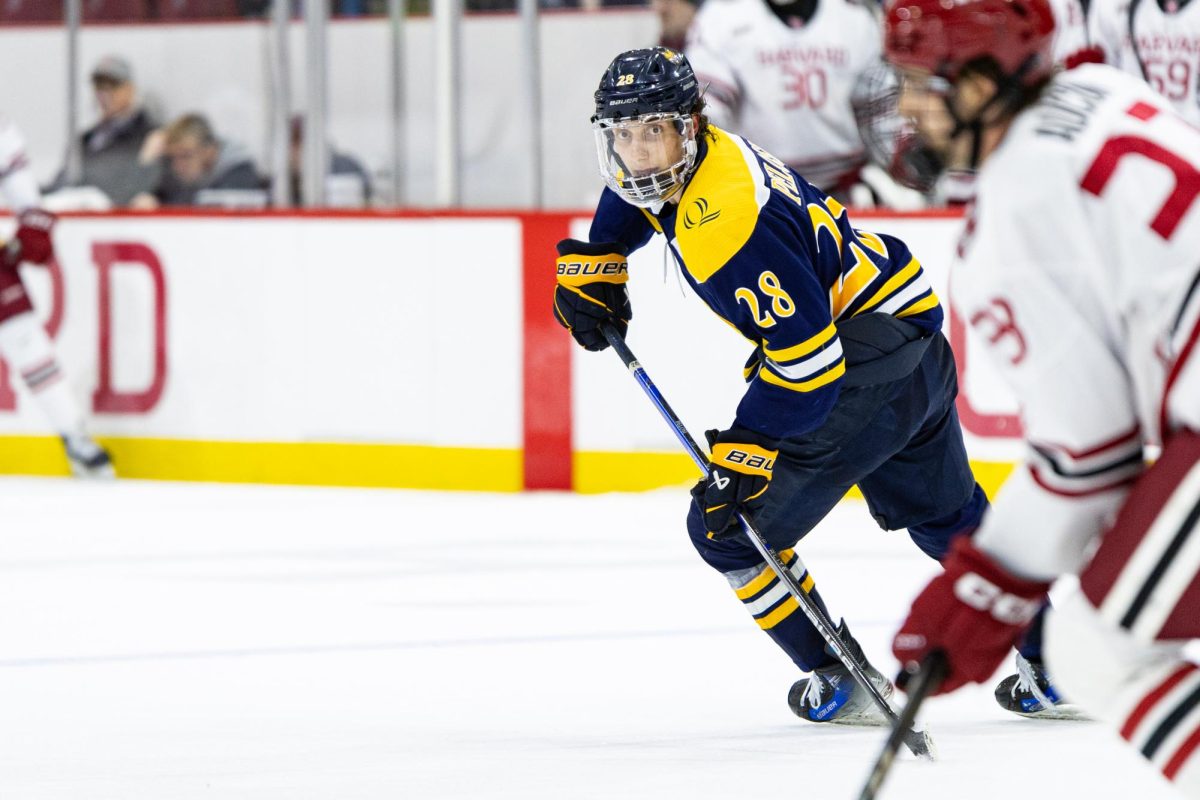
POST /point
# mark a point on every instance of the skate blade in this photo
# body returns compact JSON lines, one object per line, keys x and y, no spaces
{"x":868,"y":718}
{"x":859,"y":722}
{"x":1061,"y":711}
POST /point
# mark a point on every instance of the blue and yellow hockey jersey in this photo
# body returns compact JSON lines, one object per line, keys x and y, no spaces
{"x":780,"y":261}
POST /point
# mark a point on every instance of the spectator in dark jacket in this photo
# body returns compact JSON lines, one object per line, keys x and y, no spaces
{"x":115,"y":158}
{"x":201,"y":169}
{"x":346,"y":186}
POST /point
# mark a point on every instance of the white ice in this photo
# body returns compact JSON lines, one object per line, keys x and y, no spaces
{"x":192,"y":641}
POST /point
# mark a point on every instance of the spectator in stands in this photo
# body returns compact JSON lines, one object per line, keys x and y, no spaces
{"x":348,"y":185}
{"x":115,"y":152}
{"x":201,"y":169}
{"x":674,"y":18}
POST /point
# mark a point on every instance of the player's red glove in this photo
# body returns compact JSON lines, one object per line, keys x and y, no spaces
{"x":33,"y":233}
{"x":974,"y":612}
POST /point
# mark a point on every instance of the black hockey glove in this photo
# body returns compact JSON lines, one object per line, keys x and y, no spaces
{"x":739,"y":473}
{"x":591,"y":289}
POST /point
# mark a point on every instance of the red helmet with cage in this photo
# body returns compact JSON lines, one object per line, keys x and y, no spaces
{"x":943,"y":36}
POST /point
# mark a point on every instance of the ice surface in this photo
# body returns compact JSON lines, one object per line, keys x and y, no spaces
{"x":190,"y":641}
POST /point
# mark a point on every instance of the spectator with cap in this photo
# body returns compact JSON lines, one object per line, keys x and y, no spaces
{"x":116,"y":151}
{"x":201,"y":169}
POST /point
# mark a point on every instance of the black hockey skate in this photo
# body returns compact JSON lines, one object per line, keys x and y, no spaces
{"x":1031,"y":693}
{"x":87,"y":459}
{"x":830,"y":693}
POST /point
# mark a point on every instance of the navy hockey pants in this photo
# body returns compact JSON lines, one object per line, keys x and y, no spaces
{"x":901,"y":443}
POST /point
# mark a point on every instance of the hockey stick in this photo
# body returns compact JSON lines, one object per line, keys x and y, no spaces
{"x":928,"y":676}
{"x":918,"y":743}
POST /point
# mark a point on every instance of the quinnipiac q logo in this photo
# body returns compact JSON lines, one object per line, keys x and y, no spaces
{"x":697,"y":214}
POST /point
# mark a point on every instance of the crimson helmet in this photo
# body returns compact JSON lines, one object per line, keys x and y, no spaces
{"x":943,"y":36}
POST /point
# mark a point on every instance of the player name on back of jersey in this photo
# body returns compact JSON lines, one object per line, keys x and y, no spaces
{"x":1066,"y":107}
{"x":1167,"y":44}
{"x":807,"y":56}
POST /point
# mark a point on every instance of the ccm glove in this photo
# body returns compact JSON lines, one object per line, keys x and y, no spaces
{"x":591,"y":290}
{"x":974,"y":612}
{"x":739,"y":472}
{"x":33,"y":233}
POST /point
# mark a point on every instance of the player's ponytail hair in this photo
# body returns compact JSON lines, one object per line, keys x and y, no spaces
{"x":702,"y":126}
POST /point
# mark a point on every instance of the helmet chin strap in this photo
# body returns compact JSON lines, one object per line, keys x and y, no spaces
{"x":1008,"y":92}
{"x":973,"y":127}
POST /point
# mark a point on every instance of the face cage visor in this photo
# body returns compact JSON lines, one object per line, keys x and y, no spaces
{"x":891,"y":140}
{"x":917,"y":164}
{"x":646,"y":159}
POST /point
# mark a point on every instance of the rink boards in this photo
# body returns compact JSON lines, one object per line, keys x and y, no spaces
{"x":405,"y":349}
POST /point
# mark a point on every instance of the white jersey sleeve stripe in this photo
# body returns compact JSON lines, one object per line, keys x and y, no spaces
{"x":808,"y":368}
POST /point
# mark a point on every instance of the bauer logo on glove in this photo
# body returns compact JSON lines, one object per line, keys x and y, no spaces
{"x":569,"y":272}
{"x":751,"y":459}
{"x":591,"y":291}
{"x":739,"y":474}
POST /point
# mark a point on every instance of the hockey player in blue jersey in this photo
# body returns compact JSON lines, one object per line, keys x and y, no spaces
{"x":851,"y":381}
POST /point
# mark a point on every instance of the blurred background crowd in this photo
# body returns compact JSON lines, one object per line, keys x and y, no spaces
{"x":143,"y":10}
{"x":802,"y":78}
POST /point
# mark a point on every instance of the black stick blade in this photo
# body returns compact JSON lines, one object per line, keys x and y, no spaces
{"x":927,"y":678}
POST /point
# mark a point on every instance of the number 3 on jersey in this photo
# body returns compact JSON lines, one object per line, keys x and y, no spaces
{"x":780,"y":301}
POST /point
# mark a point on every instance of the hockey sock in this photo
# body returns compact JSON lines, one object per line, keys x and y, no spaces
{"x":29,"y":351}
{"x":778,"y":613}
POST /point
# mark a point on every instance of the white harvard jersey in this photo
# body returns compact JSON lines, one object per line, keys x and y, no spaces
{"x":17,"y":182}
{"x":1070,"y":29}
{"x":787,"y":89}
{"x":1078,"y":270}
{"x":1164,"y":49}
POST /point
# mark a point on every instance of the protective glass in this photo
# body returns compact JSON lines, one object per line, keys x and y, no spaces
{"x":646,"y":159}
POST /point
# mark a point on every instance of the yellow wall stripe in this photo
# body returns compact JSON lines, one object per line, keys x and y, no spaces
{"x":304,"y":463}
{"x":385,"y":465}
{"x":604,"y":471}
